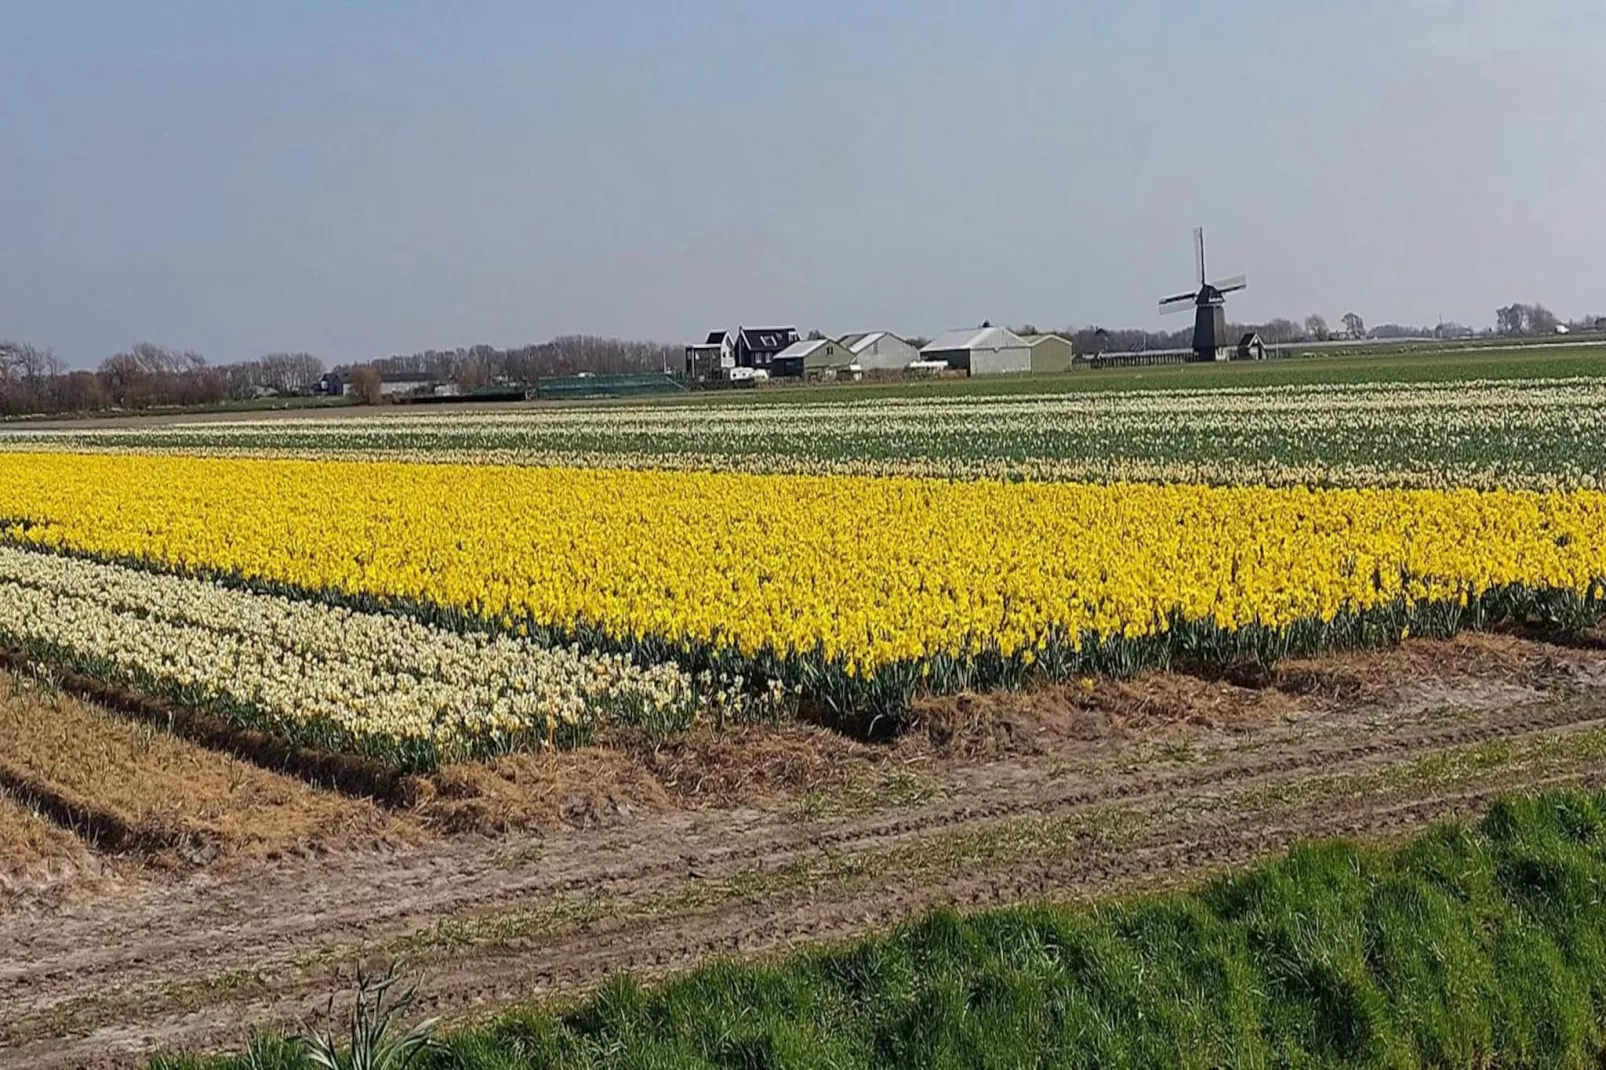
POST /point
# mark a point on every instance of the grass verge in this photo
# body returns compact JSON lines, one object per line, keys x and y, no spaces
{"x":1472,"y":946}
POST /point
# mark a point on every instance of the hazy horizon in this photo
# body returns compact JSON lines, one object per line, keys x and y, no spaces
{"x":364,"y":179}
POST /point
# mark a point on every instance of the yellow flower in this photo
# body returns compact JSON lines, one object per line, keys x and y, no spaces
{"x":869,"y":571}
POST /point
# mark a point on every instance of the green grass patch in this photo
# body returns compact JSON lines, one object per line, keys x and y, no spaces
{"x":1473,"y":946}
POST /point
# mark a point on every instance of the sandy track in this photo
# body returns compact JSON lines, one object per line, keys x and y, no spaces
{"x":485,"y":922}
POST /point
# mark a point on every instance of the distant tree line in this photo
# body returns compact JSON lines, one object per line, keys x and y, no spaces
{"x":147,"y":376}
{"x":33,"y":381}
{"x":483,"y":365}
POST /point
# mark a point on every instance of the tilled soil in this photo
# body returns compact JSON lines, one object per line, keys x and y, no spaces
{"x":1125,"y":788}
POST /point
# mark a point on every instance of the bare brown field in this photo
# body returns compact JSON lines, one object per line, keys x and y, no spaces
{"x":34,"y":852}
{"x":128,"y":786}
{"x":532,"y":876}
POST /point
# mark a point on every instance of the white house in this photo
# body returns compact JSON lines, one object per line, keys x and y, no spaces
{"x":981,"y":351}
{"x":712,"y":359}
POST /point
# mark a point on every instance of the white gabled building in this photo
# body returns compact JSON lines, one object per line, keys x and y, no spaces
{"x":811,"y":356}
{"x":880,"y":351}
{"x":981,"y":351}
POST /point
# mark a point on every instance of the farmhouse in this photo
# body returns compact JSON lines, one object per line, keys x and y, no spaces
{"x":713,"y":358}
{"x":1050,"y":353}
{"x":981,"y":351}
{"x":1250,"y":347}
{"x":757,"y":347}
{"x":880,"y":351}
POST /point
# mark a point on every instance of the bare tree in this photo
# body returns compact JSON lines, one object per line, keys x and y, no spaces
{"x":146,"y":375}
{"x":80,"y":391}
{"x":1279,"y":331}
{"x":367,"y":384}
{"x":1354,"y":325}
{"x":27,"y":375}
{"x":1541,"y":320}
{"x":289,"y":374}
{"x":473,"y":373}
{"x":1518,"y":318}
{"x":1316,"y":327}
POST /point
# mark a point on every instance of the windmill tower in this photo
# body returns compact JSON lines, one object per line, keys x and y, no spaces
{"x":1210,"y":339}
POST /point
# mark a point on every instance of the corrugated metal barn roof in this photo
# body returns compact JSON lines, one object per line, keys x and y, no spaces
{"x":803,"y":348}
{"x":975,"y":338}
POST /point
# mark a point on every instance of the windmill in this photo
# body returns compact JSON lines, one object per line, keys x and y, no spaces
{"x":1209,"y":315}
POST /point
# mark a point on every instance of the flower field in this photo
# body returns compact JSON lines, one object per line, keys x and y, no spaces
{"x":1527,"y":433}
{"x":380,"y":685}
{"x":429,"y":588}
{"x":612,"y":591}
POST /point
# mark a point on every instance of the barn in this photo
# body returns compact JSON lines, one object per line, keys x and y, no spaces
{"x":1050,"y":352}
{"x":982,"y":350}
{"x":811,"y":357}
{"x":880,"y":351}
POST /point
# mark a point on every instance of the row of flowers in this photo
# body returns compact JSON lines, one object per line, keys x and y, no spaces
{"x":377,"y":684}
{"x":818,"y":581}
{"x":1536,"y":434}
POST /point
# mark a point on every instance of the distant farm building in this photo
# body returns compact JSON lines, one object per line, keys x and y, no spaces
{"x":713,"y":358}
{"x":1050,"y":353}
{"x":811,"y":358}
{"x":981,"y":351}
{"x":1250,"y":347}
{"x":880,"y":351}
{"x":757,"y":347}
{"x":399,"y":384}
{"x":736,"y":354}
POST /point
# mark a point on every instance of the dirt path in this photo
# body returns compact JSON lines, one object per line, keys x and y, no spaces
{"x":483,"y":922}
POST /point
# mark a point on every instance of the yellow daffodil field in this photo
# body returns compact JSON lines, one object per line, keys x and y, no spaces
{"x":428,"y":609}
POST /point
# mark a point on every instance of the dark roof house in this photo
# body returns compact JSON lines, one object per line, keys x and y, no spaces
{"x":757,"y":347}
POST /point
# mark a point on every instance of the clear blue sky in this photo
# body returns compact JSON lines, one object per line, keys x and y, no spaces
{"x":365,"y":177}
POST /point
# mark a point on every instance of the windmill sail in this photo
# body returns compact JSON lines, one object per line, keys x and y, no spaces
{"x":1198,"y":252}
{"x":1227,"y":286}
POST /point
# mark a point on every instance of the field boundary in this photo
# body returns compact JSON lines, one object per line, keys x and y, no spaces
{"x":346,"y":773}
{"x":1356,"y":954}
{"x":101,"y":829}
